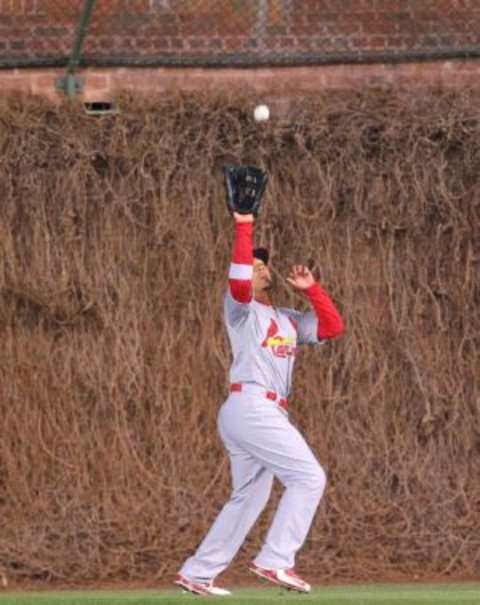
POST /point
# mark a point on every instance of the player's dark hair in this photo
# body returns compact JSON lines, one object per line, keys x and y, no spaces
{"x":262,"y":254}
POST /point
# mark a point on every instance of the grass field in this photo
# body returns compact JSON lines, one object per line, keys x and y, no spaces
{"x":401,"y":594}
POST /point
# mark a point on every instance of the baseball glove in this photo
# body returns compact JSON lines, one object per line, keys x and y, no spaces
{"x":245,"y":187}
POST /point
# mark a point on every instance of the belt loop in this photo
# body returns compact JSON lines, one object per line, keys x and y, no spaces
{"x":237,"y":387}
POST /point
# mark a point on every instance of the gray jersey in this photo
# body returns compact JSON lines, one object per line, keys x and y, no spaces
{"x":264,"y":341}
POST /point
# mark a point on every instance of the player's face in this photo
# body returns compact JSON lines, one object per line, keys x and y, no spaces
{"x":262,"y":278}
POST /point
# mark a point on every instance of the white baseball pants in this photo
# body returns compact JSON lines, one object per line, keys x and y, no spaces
{"x":262,"y":444}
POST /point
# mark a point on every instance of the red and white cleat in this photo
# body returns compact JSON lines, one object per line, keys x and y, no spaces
{"x":282,"y":577}
{"x":205,"y":589}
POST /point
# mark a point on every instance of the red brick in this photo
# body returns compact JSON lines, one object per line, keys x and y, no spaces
{"x":30,"y":6}
{"x":349,"y":28}
{"x":233,"y":44}
{"x":395,"y":42}
{"x":376,"y":42}
{"x":160,"y":43}
{"x":9,"y":83}
{"x":377,"y":26}
{"x":96,"y":81}
{"x":177,"y":43}
{"x":360,"y":42}
{"x":45,"y":84}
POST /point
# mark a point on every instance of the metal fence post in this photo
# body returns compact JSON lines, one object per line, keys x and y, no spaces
{"x":71,"y":84}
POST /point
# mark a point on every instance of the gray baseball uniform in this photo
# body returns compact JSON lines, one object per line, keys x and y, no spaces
{"x":261,"y":441}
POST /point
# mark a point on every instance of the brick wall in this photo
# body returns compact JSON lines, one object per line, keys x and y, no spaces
{"x":373,"y":42}
{"x":230,"y":31}
{"x":273,"y":85}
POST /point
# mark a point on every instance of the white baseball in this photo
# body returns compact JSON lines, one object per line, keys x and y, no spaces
{"x":261,"y":113}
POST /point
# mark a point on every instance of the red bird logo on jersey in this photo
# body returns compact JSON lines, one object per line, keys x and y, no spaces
{"x":282,"y":346}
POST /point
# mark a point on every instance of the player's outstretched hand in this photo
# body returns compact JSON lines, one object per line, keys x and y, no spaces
{"x":243,"y":218}
{"x":300,"y":277}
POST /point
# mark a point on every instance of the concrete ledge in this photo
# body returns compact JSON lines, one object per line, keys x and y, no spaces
{"x":101,"y":84}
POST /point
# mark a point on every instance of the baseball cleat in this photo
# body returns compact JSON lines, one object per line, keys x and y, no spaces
{"x":282,"y":577}
{"x":205,"y":589}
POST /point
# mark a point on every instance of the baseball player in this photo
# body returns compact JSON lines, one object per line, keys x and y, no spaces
{"x":253,"y":422}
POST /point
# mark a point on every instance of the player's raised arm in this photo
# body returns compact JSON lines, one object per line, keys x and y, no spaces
{"x":241,"y":267}
{"x":330,"y":323}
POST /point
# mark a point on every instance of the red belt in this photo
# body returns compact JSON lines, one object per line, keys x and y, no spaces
{"x":236,"y":387}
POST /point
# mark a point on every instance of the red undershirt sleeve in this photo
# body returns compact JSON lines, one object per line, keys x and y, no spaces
{"x":241,"y":267}
{"x":330,"y":322}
